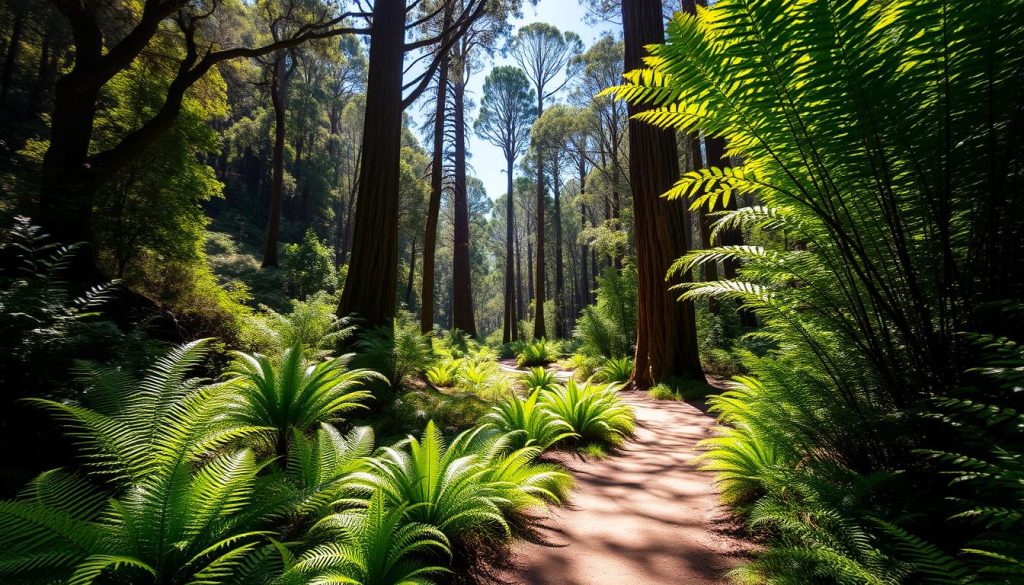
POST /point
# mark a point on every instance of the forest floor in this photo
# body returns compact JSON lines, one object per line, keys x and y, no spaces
{"x":644,"y":515}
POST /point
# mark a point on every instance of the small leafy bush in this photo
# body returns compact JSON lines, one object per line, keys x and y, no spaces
{"x":444,"y":373}
{"x":289,"y":393}
{"x":607,"y":329}
{"x":539,"y":352}
{"x":582,"y":366}
{"x":527,"y":423}
{"x":312,"y":323}
{"x":615,"y":370}
{"x":595,"y":413}
{"x":308,"y":267}
{"x":397,"y":352}
{"x":664,"y":392}
{"x":538,"y":379}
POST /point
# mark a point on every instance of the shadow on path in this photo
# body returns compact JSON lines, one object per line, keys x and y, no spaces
{"x":643,"y":516}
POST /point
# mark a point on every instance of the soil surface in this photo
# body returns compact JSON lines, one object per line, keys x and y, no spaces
{"x":642,"y":516}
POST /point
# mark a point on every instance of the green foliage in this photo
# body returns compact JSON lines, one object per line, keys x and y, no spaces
{"x":287,"y":393}
{"x":615,"y":370}
{"x":664,"y":392}
{"x":467,"y":488}
{"x":308,"y":267}
{"x":526,"y":422}
{"x":375,"y":546}
{"x":311,"y":323}
{"x":582,"y":366}
{"x":397,"y":352}
{"x":182,"y":504}
{"x":539,"y":352}
{"x":538,"y":379}
{"x":444,"y":373}
{"x":607,"y":329}
{"x":38,"y":315}
{"x":876,"y":137}
{"x":150,"y":213}
{"x":594,"y":412}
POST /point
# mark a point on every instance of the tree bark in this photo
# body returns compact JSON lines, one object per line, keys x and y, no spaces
{"x":277,"y":90}
{"x":370,"y":287}
{"x":511,"y":318}
{"x":666,"y":329}
{"x":462,"y":296}
{"x":539,"y":330}
{"x":436,"y":184}
{"x":560,"y":325}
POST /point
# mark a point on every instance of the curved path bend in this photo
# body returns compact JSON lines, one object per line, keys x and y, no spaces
{"x":642,"y":516}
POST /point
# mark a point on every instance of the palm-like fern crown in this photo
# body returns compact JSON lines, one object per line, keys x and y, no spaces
{"x":288,"y":393}
{"x":178,"y":489}
{"x":375,"y":546}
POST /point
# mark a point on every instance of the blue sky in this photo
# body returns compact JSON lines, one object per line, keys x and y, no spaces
{"x":487,"y":162}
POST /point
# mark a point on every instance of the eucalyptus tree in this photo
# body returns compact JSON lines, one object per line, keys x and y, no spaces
{"x":506,"y":114}
{"x":548,"y":57}
{"x":73,"y":168}
{"x":557,"y":132}
{"x":601,"y":67}
{"x":666,"y":344}
{"x":371,"y":286}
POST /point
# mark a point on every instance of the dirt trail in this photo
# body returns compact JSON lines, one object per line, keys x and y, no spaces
{"x":644,"y":516}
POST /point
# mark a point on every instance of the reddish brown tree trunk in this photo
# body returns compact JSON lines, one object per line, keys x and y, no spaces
{"x":370,"y":287}
{"x":511,"y":317}
{"x":539,"y":330}
{"x":436,"y":184}
{"x":666,"y":331}
{"x":560,"y":324}
{"x":277,"y":162}
{"x":462,"y":296}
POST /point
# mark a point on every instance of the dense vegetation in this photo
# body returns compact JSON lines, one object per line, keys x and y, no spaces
{"x":247,"y":271}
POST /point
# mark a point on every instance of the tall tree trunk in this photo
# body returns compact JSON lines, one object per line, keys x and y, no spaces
{"x":710,"y":268}
{"x":511,"y":317}
{"x":436,"y":184}
{"x":412,"y":274}
{"x":529,"y":274}
{"x":277,"y":90}
{"x":666,"y":329}
{"x":539,"y":330}
{"x":462,"y":296}
{"x":584,"y":260}
{"x":560,"y":329}
{"x":370,"y":288}
{"x":520,"y":297}
{"x":11,"y":56}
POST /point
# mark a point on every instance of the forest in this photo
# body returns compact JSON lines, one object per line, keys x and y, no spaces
{"x":412,"y":292}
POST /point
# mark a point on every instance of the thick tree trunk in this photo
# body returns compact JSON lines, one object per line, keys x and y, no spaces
{"x":511,"y":318}
{"x":666,"y":329}
{"x":69,"y":188}
{"x":370,"y":287}
{"x":11,"y":56}
{"x":462,"y":296}
{"x":436,"y":184}
{"x":560,"y":324}
{"x":277,"y":162}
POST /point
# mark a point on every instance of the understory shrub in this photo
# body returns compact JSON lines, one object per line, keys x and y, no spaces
{"x":539,"y":352}
{"x":398,"y":352}
{"x":607,"y":329}
{"x":615,"y":370}
{"x":248,"y":480}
